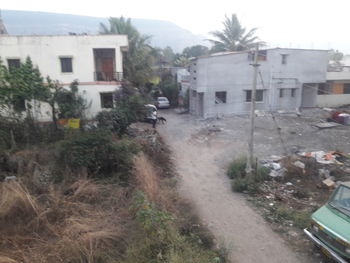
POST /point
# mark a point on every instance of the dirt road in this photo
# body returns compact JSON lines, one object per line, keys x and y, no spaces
{"x":235,"y":224}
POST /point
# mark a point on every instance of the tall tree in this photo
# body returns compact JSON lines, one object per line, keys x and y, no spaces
{"x":21,"y":86}
{"x":234,"y":37}
{"x":195,"y":51}
{"x":138,"y":59}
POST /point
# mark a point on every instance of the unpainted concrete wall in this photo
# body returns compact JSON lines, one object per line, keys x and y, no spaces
{"x":333,"y":100}
{"x":233,"y":73}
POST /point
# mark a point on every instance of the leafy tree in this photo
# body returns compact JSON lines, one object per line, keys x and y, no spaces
{"x":234,"y":37}
{"x":70,"y":103}
{"x":52,"y":99}
{"x":138,"y":59}
{"x":169,"y":87}
{"x":129,"y":108}
{"x":195,"y":51}
{"x":335,"y":55}
{"x":21,"y":85}
{"x":168,"y":55}
{"x":182,"y":62}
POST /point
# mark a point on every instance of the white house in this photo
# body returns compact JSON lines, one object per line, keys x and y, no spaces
{"x":288,"y":79}
{"x":96,"y":61}
{"x":336,"y":91}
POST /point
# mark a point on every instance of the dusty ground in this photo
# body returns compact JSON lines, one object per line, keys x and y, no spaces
{"x":202,"y":155}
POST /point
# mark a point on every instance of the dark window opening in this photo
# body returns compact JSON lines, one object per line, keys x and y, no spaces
{"x":346,"y":89}
{"x":259,"y":95}
{"x":292,"y":92}
{"x":284,"y":59}
{"x":323,"y":89}
{"x":66,"y":65}
{"x":281,"y":93}
{"x":19,"y":104}
{"x":106,"y":100}
{"x":13,"y":63}
{"x":220,"y":97}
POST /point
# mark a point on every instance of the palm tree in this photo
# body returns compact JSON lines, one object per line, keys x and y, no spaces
{"x":234,"y":37}
{"x":138,"y":60}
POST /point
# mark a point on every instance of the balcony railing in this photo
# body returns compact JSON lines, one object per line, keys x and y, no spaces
{"x":108,"y":76}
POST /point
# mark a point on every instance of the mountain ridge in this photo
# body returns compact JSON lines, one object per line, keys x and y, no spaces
{"x":164,"y":33}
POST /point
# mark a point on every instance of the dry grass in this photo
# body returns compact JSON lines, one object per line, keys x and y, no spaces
{"x":147,"y":177}
{"x":62,"y":225}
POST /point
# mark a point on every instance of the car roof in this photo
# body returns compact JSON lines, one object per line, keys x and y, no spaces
{"x":162,"y":98}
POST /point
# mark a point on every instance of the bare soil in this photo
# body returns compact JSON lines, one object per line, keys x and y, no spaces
{"x":202,"y":151}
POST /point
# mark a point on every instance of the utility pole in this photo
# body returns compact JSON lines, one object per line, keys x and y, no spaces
{"x":250,"y":159}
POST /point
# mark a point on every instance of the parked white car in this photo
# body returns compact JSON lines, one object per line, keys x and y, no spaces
{"x":162,"y":103}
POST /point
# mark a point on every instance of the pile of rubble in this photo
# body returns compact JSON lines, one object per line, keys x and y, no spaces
{"x":328,"y":167}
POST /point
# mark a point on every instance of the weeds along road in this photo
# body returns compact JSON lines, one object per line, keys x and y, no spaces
{"x":234,"y":223}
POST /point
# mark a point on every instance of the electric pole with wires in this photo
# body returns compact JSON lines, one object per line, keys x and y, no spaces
{"x":250,"y":159}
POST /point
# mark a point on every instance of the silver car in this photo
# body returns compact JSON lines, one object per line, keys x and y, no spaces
{"x":162,"y":103}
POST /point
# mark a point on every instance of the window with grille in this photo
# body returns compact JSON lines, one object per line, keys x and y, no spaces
{"x":346,"y":89}
{"x":281,"y":93}
{"x":259,"y":96}
{"x":220,"y":97}
{"x":292,"y":92}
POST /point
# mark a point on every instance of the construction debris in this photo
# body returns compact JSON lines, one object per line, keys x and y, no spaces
{"x":324,"y":157}
{"x":329,"y":183}
{"x":299,"y":164}
{"x":326,"y":125}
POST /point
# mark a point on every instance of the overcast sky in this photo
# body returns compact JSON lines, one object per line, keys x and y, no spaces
{"x":294,"y":23}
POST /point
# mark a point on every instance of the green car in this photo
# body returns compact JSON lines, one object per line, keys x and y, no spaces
{"x":330,"y":225}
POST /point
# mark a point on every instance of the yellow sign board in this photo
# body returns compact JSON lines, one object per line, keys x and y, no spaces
{"x":74,"y":123}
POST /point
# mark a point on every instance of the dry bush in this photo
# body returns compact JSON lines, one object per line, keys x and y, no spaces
{"x":16,"y":204}
{"x":146,"y":176}
{"x":309,"y":172}
{"x":74,"y":224}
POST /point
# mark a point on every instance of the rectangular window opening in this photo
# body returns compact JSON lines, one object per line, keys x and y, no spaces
{"x":220,"y":97}
{"x":66,"y":65}
{"x":259,"y":96}
{"x":106,"y":100}
{"x":346,"y":89}
{"x":292,"y":92}
{"x":284,"y":59}
{"x":324,"y":89}
{"x":13,"y":63}
{"x":19,"y":104}
{"x":281,"y":93}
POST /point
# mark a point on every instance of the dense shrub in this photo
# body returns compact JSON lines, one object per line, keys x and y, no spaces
{"x":26,"y":132}
{"x":116,"y":120}
{"x":98,"y":152}
{"x":237,"y":168}
{"x":241,"y":181}
{"x":129,"y":108}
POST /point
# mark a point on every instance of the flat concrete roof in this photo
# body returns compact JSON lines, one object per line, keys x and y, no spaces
{"x":226,"y":53}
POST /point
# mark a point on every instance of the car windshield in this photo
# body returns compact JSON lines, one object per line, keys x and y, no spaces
{"x":341,"y":200}
{"x":162,"y":99}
